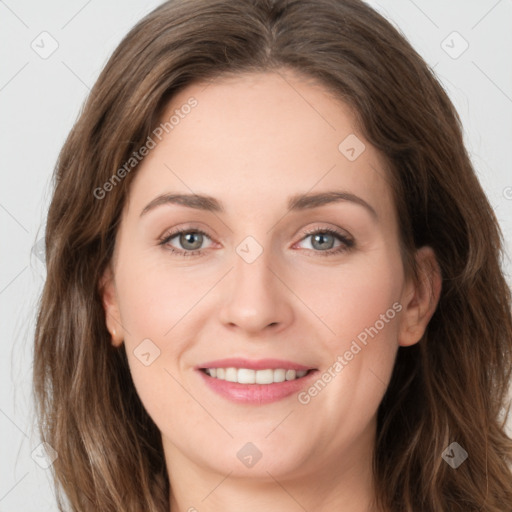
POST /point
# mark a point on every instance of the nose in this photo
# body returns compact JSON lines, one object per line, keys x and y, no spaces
{"x":255,"y":297}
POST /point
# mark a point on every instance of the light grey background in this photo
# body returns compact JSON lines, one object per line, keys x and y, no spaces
{"x":40,"y":98}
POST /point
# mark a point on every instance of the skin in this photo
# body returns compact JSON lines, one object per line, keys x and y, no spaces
{"x":251,"y":142}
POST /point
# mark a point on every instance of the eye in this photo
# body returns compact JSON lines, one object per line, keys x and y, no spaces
{"x":190,"y":240}
{"x":323,"y":241}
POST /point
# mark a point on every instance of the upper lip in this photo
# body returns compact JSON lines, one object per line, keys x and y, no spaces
{"x":259,"y":364}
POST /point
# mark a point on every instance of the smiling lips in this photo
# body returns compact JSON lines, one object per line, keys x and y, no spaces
{"x":255,"y":382}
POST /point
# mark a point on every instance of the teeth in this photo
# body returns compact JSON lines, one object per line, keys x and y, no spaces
{"x":248,"y":376}
{"x":245,"y":376}
{"x":231,"y":375}
{"x":279,"y":375}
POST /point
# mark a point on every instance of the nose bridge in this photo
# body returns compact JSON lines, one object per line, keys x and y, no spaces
{"x":256,"y":297}
{"x":252,"y":267}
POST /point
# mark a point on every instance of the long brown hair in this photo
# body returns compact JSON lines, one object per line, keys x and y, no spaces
{"x":450,"y":387}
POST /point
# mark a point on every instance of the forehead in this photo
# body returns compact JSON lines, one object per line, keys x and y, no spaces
{"x":253,"y":140}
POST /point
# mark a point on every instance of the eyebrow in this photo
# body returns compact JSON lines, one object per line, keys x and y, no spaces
{"x":297,"y":202}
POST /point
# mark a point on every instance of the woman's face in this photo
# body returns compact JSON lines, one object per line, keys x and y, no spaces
{"x":289,"y":262}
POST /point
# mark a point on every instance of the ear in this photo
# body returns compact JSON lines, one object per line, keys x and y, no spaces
{"x":108,"y":295}
{"x":420,"y":298}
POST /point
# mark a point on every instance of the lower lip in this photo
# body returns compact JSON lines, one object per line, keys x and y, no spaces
{"x":256,"y":393}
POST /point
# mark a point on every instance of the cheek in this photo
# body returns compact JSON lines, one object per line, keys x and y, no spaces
{"x":161,"y":312}
{"x":153,"y":307}
{"x":354,"y":297}
{"x":151,"y":304}
{"x":361,"y":306}
{"x":153,"y":297}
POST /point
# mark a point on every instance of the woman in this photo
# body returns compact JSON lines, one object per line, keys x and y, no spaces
{"x":273,"y":278}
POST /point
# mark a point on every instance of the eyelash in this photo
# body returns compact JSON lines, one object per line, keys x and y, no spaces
{"x":347,"y":243}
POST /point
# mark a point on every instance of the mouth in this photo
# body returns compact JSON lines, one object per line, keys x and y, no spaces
{"x":255,"y":382}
